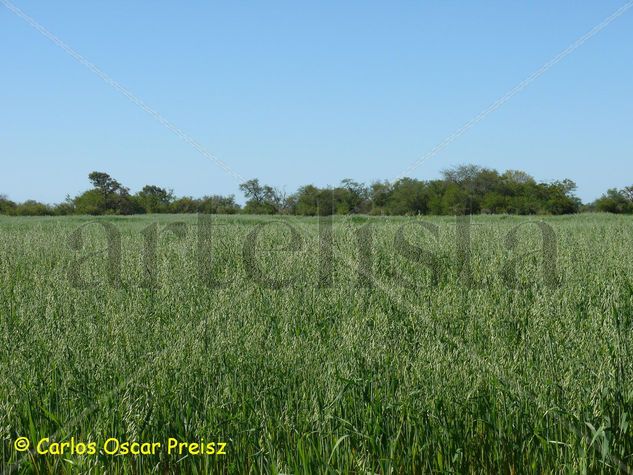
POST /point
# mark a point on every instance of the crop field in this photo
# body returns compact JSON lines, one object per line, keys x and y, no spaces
{"x":491,"y":344}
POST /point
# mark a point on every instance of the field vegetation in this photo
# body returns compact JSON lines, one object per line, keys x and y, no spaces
{"x":357,"y":345}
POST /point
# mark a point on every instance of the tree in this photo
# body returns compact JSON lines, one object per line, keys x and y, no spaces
{"x":494,"y":203}
{"x":456,"y":200}
{"x":408,"y":196}
{"x":124,"y":203}
{"x":614,"y":201}
{"x":379,"y":196}
{"x":104,"y":183}
{"x":262,"y":199}
{"x":474,"y":182}
{"x":560,"y":198}
{"x":217,"y":204}
{"x":115,"y":197}
{"x":90,"y":202}
{"x":461,"y":174}
{"x":65,"y":208}
{"x":33,"y":208}
{"x":355,"y":196}
{"x":155,"y":199}
{"x":306,"y":200}
{"x":6,"y":205}
{"x":566,"y":186}
{"x":186,"y":204}
{"x":436,"y":190}
{"x":517,"y":177}
{"x":463,"y":189}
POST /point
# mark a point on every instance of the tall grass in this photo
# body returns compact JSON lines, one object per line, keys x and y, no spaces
{"x":401,"y":365}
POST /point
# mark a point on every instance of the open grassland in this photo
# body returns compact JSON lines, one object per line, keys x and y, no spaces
{"x":409,"y":351}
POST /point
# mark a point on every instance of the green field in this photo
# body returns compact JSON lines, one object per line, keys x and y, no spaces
{"x":408,"y":353}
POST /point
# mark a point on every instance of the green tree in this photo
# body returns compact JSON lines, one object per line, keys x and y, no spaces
{"x":614,"y":201}
{"x":33,"y":208}
{"x":65,"y":208}
{"x":408,"y":196}
{"x":114,"y":197}
{"x":154,"y":199}
{"x":186,"y":204}
{"x":306,"y":200}
{"x":6,"y":205}
{"x":379,"y":194}
{"x":455,"y":200}
{"x":90,"y":202}
{"x":354,"y":196}
{"x":494,"y":203}
{"x":560,"y":198}
{"x":104,"y":183}
{"x":217,"y":204}
{"x":262,"y":199}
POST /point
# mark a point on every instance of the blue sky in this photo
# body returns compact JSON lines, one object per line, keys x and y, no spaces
{"x":297,"y":93}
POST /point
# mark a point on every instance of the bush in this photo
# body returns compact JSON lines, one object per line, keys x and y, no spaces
{"x":614,"y":201}
{"x":6,"y":206}
{"x":33,"y":208}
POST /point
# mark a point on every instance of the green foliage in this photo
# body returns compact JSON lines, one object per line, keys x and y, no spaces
{"x":154,"y":199}
{"x":262,"y":199}
{"x":90,"y":202}
{"x":217,"y":204}
{"x":419,"y":373}
{"x":307,"y":199}
{"x":407,"y":196}
{"x":65,"y":208}
{"x":186,"y":204}
{"x":107,"y":197}
{"x":466,"y":189}
{"x":495,"y":203}
{"x":353,"y":197}
{"x":616,"y":201}
{"x":32,"y":208}
{"x":7,"y":206}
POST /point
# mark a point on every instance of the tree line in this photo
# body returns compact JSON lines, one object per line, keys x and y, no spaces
{"x":466,"y":189}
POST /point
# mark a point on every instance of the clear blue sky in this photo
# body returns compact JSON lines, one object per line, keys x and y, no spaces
{"x":297,"y":93}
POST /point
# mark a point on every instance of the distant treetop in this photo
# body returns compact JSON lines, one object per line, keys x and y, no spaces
{"x":463,"y":189}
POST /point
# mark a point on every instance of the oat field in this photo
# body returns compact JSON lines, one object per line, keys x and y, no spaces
{"x":491,"y":344}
